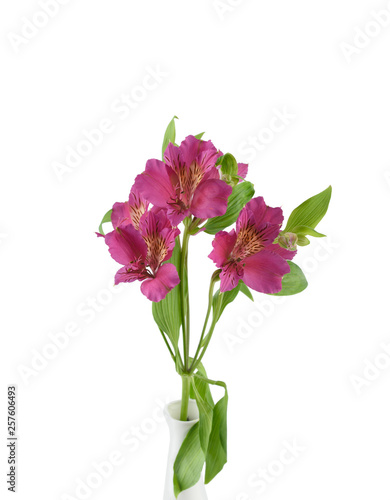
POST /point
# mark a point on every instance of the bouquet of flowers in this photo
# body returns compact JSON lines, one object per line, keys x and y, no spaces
{"x":196,"y":189}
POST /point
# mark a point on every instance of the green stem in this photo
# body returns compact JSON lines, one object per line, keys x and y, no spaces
{"x":184,"y":299}
{"x":185,"y":397}
{"x":214,"y":279}
{"x":210,"y":334}
{"x":167,"y":344}
{"x":185,"y":309}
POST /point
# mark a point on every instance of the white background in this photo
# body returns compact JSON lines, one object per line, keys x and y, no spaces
{"x":288,"y":365}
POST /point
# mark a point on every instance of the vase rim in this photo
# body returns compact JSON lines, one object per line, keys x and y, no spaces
{"x":172,"y":412}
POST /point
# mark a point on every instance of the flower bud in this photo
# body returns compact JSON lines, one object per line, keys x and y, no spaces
{"x":231,"y":180}
{"x":288,"y":241}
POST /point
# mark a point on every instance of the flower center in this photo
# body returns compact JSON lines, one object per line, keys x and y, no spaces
{"x":157,"y":250}
{"x":136,"y":212}
{"x":189,"y":180}
{"x":248,"y":243}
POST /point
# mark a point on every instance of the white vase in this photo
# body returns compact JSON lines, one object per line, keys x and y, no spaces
{"x":178,"y":431}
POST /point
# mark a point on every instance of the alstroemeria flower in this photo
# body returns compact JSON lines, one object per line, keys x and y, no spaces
{"x":143,"y":253}
{"x":248,"y":253}
{"x":187,"y":183}
{"x":129,"y":212}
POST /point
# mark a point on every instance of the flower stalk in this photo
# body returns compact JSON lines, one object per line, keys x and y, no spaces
{"x":185,"y":397}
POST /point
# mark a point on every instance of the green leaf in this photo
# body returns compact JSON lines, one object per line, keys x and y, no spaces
{"x":240,"y":196}
{"x":228,"y":297}
{"x":199,"y":136}
{"x":245,"y":290}
{"x":170,"y":135}
{"x":189,"y":462}
{"x":106,"y":218}
{"x":294,"y":282}
{"x":216,"y":456}
{"x":303,"y":241}
{"x":201,"y":385}
{"x":307,"y":231}
{"x":310,"y":212}
{"x":205,"y":416}
{"x":167,"y":312}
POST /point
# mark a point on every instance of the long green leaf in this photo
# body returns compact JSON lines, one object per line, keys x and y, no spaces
{"x":189,"y":462}
{"x":205,"y":417}
{"x":167,"y":312}
{"x":170,"y":135}
{"x":106,"y":218}
{"x":201,"y":385}
{"x":310,"y":212}
{"x":294,"y":282}
{"x":240,"y":196}
{"x":307,"y":231}
{"x":216,"y":456}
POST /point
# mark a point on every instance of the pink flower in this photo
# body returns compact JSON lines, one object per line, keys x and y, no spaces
{"x":143,"y":253}
{"x":187,"y":183}
{"x":129,"y":212}
{"x":249,"y":253}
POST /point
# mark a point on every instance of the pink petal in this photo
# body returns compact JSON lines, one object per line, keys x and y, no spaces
{"x":155,"y":183}
{"x":212,"y":173}
{"x":257,"y":210}
{"x":283,"y":252}
{"x":136,"y":199}
{"x":204,"y":153}
{"x":126,"y":245}
{"x":210,"y":199}
{"x":176,"y":214}
{"x":158,"y":232}
{"x":120,"y":215}
{"x":223,"y":245}
{"x":173,"y":158}
{"x":230,"y":276}
{"x":268,"y":233}
{"x":124,"y":275}
{"x":242,"y":170}
{"x":166,"y":279}
{"x":264,"y":271}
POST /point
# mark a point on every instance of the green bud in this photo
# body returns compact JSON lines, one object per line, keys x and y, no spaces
{"x":288,"y":241}
{"x":232,"y":180}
